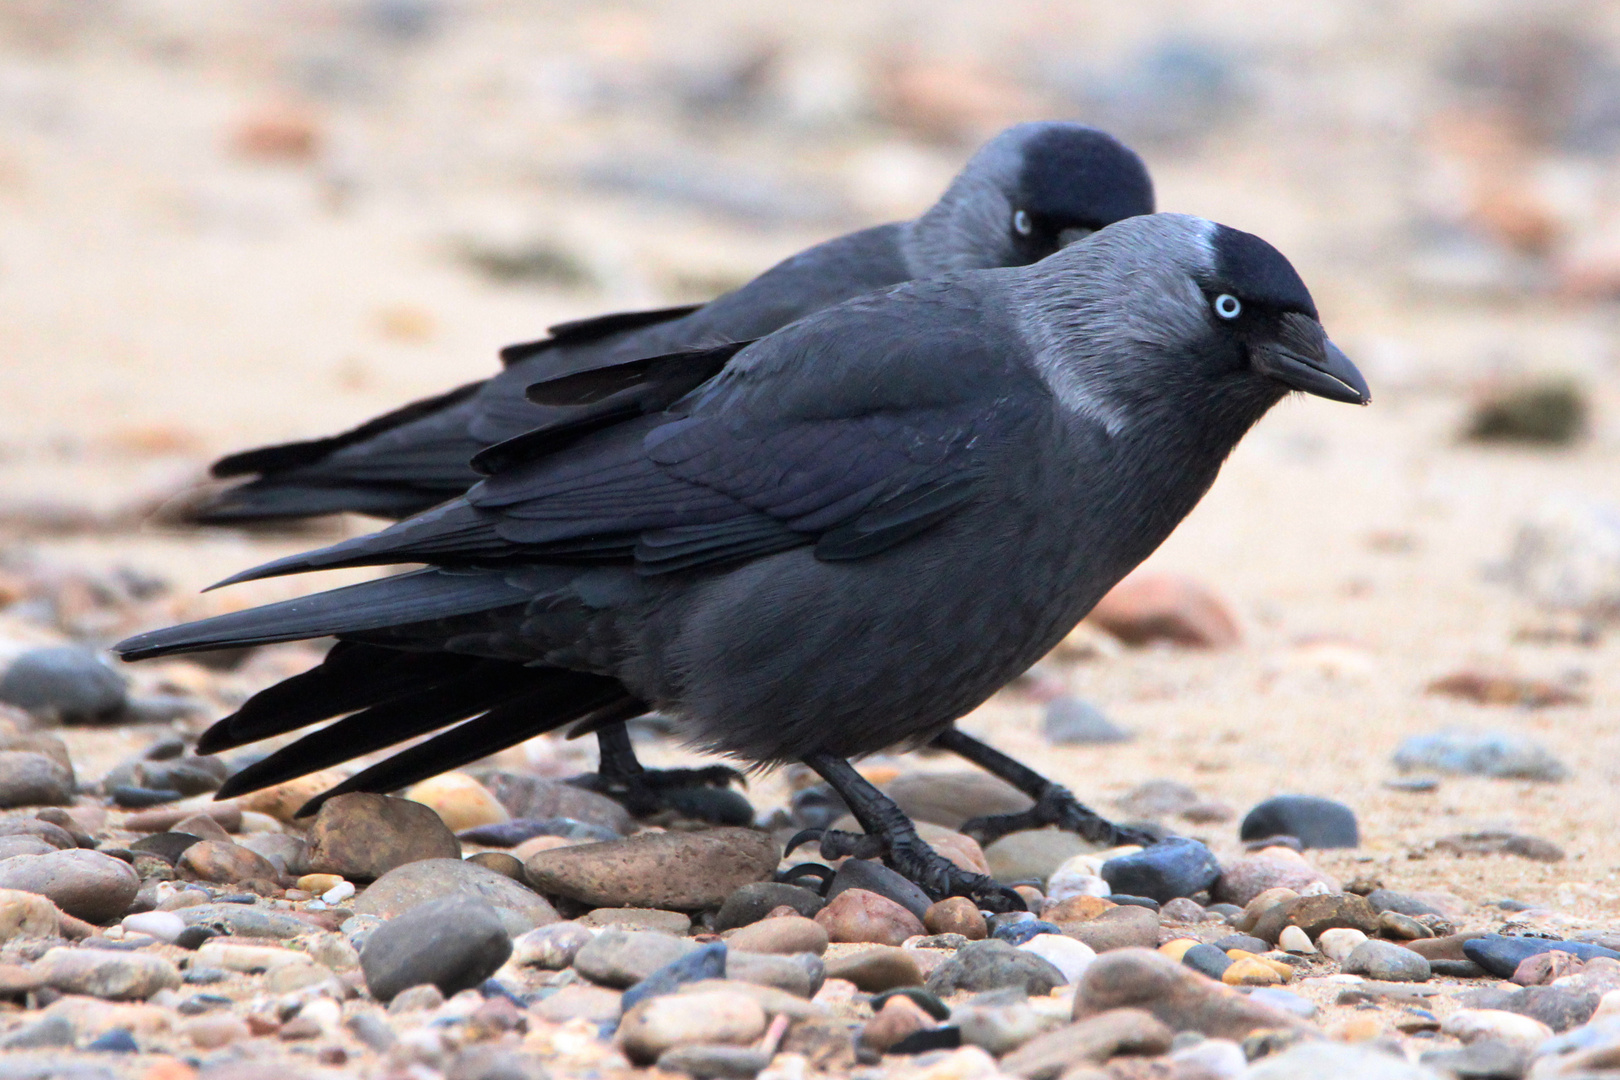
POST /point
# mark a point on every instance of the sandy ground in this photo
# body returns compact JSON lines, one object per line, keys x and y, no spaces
{"x":165,"y":298}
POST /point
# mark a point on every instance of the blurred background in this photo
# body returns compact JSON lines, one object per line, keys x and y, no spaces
{"x":242,"y":221}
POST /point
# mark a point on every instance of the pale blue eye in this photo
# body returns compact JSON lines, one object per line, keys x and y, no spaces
{"x":1022,"y":225}
{"x":1228,"y":306}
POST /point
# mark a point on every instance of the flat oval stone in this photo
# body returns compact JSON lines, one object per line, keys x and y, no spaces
{"x":991,"y":965}
{"x":1501,"y":956}
{"x":403,"y":888}
{"x":1386,"y":962}
{"x":679,"y":871}
{"x":88,"y":885}
{"x":361,"y":836}
{"x":1175,"y":867}
{"x":752,"y":902}
{"x":454,"y":944}
{"x":1317,"y":822}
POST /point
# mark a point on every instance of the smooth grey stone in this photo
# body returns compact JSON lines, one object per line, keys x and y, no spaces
{"x":1386,"y":962}
{"x":990,"y":965}
{"x":753,"y":902}
{"x":48,"y":1032}
{"x":1317,"y":822}
{"x":1069,"y":721}
{"x":454,"y":944}
{"x":1501,"y":956}
{"x":1207,"y":960}
{"x":705,"y":962}
{"x":1479,"y":753}
{"x":1384,"y":900}
{"x":714,"y":1060}
{"x":1490,"y":1059}
{"x":64,"y":682}
{"x":244,"y":921}
{"x":1176,"y":867}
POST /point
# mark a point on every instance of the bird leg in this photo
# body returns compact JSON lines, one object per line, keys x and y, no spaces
{"x":891,"y":834}
{"x":1053,"y":803}
{"x":642,"y":791}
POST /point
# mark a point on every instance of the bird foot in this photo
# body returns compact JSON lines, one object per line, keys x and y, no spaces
{"x":654,"y":791}
{"x":1055,"y":807}
{"x":914,"y":860}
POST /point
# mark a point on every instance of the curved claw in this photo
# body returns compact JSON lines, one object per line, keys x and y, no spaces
{"x":800,"y":838}
{"x":793,"y":875}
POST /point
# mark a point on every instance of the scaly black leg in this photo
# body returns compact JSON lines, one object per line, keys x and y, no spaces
{"x":644,"y":792}
{"x":890,"y":833}
{"x":1053,"y":803}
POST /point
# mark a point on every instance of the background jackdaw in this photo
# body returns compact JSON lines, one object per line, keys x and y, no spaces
{"x":863,"y":527}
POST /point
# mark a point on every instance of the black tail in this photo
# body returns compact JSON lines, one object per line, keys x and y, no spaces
{"x":273,"y":500}
{"x":393,"y":696}
{"x":403,"y":599}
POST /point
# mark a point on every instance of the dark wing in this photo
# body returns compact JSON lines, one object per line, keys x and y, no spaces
{"x":580,"y":331}
{"x":856,"y":428}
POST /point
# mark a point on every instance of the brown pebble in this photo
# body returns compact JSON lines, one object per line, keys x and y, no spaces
{"x":786,"y":934}
{"x":899,"y":1017}
{"x":299,"y":1027}
{"x":672,"y":870}
{"x":210,"y":1032}
{"x":500,"y":862}
{"x":202,"y":827}
{"x":362,"y":836}
{"x":862,"y":916}
{"x":1076,"y":909}
{"x":262,"y":1024}
{"x":1034,"y":899}
{"x":876,"y":970}
{"x":225,"y":863}
{"x":1543,"y":968}
{"x":956,"y":915}
{"x":783,"y":911}
{"x":1118,"y":928}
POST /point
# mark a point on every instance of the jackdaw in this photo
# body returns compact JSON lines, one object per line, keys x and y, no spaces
{"x":1026,"y":193}
{"x":858,"y":531}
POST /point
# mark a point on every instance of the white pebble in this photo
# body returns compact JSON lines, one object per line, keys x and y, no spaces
{"x":1340,"y":942}
{"x":338,"y":893}
{"x":1294,"y":940}
{"x":1065,"y":885}
{"x":1315,"y":888}
{"x":1472,"y":1025}
{"x":1214,"y":1058}
{"x":165,"y":926}
{"x":1064,"y":953}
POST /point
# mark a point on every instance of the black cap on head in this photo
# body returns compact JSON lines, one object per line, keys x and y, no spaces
{"x":1081,"y":176}
{"x":1258,"y":273}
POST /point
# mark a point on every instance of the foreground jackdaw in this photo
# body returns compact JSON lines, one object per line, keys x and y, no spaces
{"x":863,"y":527}
{"x":1030,"y":190}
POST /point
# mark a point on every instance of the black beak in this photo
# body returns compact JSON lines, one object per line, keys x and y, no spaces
{"x":1302,"y":358}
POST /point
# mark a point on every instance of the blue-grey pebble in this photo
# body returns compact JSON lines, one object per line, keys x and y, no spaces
{"x":1480,"y":753}
{"x":454,"y":943}
{"x":1317,"y":822}
{"x":1019,"y":932}
{"x":1070,"y":721}
{"x":1501,"y":955}
{"x":707,"y":962}
{"x":1175,"y":867}
{"x":507,"y":834}
{"x":1286,"y":1000}
{"x":66,"y":682}
{"x":1127,"y":900}
{"x":115,"y":1041}
{"x":1246,"y":942}
{"x":1207,"y":960}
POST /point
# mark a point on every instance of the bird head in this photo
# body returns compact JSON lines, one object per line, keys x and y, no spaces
{"x":1031,"y":190}
{"x":1157,"y":311}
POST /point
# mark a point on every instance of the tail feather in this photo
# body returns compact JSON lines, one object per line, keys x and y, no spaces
{"x":272,"y":500}
{"x":483,"y":685}
{"x":406,"y":598}
{"x":531,"y":714}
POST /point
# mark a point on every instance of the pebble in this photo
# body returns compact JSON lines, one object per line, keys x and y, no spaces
{"x":877,"y":969}
{"x":1336,"y":1061}
{"x":713,"y":1060}
{"x":1180,"y":997}
{"x":990,"y":965}
{"x":1250,"y":971}
{"x":662,"y":1023}
{"x":1501,"y":843}
{"x":858,"y":915}
{"x":1314,"y":821}
{"x":681,"y":871}
{"x":1314,"y":914}
{"x":1069,"y":721}
{"x":1501,"y":956}
{"x":230,"y":956}
{"x":27,"y":915}
{"x":785,"y":935}
{"x":754,"y":901}
{"x":165,"y":926}
{"x":242,"y":920}
{"x":1035,"y":855}
{"x":225,"y":863}
{"x":1090,"y":1041}
{"x":495,"y":1063}
{"x":1402,"y":927}
{"x":361,"y":836}
{"x":1543,"y":968}
{"x":215,"y":1031}
{"x":801,"y":974}
{"x":1076,"y":909}
{"x":47,"y":1032}
{"x":1182,"y":910}
{"x":665,"y":922}
{"x":526,"y":796}
{"x":103,"y":973}
{"x":1148,"y":607}
{"x":997,"y":1029}
{"x":1069,"y":956}
{"x":1208,"y":960}
{"x":460,"y":801}
{"x":1019,"y":932}
{"x":1270,"y":868}
{"x":550,"y":947}
{"x":1119,"y":927}
{"x":55,"y":835}
{"x":88,"y":885}
{"x":1476,"y":1025}
{"x":1386,"y":962}
{"x":454,"y":943}
{"x":424,"y":997}
{"x":952,"y":798}
{"x":405,"y":887}
{"x":1246,"y":942}
{"x":1176,"y":867}
{"x":596,"y":1004}
{"x":1560,"y":1009}
{"x":898,"y":1018}
{"x":622,"y":958}
{"x":1479,"y":753}
{"x":65,"y":683}
{"x":1337,"y":944}
{"x":30,"y":779}
{"x":1287,"y":1001}
{"x":1296,"y":941}
{"x":874,"y":877}
{"x":704,"y":962}
{"x":1488,"y":1059}
{"x":114,"y":1041}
